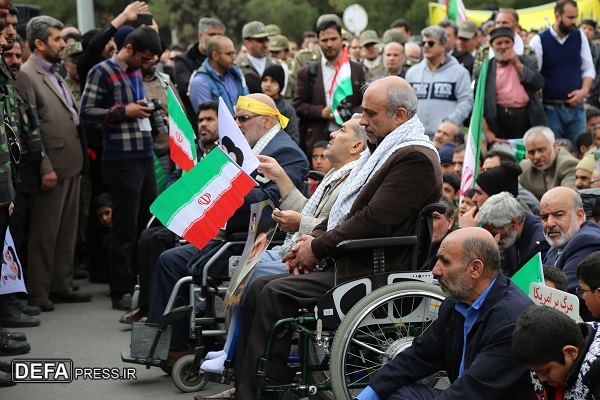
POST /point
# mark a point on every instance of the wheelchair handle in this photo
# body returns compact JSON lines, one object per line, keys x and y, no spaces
{"x":433,"y":207}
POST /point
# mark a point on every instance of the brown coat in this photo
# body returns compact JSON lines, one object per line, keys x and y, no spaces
{"x":387,"y":206}
{"x":62,"y":148}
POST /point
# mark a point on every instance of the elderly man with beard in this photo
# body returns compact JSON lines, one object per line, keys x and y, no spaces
{"x":512,"y":104}
{"x":471,"y":337}
{"x":572,"y":237}
{"x":545,"y":166}
{"x":519,"y":234}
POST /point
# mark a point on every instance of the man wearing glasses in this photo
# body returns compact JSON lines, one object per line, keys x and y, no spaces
{"x":572,"y":237}
{"x":115,"y":96}
{"x":256,"y":40}
{"x":218,"y":76}
{"x":443,"y":86}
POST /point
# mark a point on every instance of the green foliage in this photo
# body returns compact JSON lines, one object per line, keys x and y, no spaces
{"x":293,"y":17}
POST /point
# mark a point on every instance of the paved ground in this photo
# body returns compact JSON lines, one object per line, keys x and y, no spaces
{"x":90,"y":334}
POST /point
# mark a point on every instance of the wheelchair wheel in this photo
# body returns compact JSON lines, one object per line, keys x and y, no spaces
{"x":376,"y":329}
{"x":182,"y":377}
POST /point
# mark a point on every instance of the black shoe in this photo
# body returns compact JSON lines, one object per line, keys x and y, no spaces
{"x":11,"y":317}
{"x":25,"y":309}
{"x":122,"y":303}
{"x":5,"y":365}
{"x":6,"y":379}
{"x":18,"y":336}
{"x":70,"y":297}
{"x":9,"y":347}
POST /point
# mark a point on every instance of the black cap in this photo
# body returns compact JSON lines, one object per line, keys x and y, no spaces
{"x":503,"y":31}
{"x":591,"y":201}
{"x":504,"y":178}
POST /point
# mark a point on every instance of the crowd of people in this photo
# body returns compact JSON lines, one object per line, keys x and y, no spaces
{"x":85,"y":150}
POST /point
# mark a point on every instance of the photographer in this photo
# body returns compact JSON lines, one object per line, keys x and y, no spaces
{"x":115,"y":96}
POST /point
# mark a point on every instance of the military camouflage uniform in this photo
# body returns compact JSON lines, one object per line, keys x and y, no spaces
{"x":75,"y":88}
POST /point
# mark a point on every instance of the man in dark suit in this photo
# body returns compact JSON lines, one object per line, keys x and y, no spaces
{"x":401,"y":157}
{"x":312,"y":99}
{"x":512,"y":103}
{"x":265,"y":136}
{"x":471,"y":337}
{"x":572,"y":237}
{"x":55,"y":207}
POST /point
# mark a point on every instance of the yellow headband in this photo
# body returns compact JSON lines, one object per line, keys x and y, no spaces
{"x":260,"y":108}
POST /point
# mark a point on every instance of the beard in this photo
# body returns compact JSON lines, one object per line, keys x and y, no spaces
{"x":563,"y":28}
{"x":510,"y":239}
{"x":564,"y":238}
{"x":457,"y":290}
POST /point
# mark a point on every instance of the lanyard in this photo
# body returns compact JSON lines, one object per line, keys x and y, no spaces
{"x":136,"y":89}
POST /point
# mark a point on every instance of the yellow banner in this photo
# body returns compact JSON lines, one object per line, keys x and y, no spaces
{"x":538,"y":18}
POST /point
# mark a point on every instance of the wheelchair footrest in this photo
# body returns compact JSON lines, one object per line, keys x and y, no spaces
{"x":273,"y":373}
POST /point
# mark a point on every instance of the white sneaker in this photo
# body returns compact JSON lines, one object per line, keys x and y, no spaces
{"x":216,"y":365}
{"x":211,"y":355}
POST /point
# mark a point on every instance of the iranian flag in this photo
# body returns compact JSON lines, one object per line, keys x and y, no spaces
{"x":341,"y":87}
{"x":532,"y":271}
{"x":201,"y":201}
{"x":181,"y":135}
{"x":456,"y":11}
{"x":472,"y":149}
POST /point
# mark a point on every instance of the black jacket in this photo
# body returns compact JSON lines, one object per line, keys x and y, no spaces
{"x":185,"y":64}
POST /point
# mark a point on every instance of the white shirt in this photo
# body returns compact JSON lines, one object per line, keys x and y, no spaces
{"x":328,"y":71}
{"x":587,"y":65}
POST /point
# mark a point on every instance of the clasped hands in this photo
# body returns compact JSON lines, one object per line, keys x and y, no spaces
{"x":300,"y":259}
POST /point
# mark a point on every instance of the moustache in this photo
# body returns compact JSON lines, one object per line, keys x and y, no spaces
{"x":553,"y":230}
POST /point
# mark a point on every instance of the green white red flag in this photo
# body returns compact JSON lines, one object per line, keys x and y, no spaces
{"x":472,"y":149}
{"x":182,"y":144}
{"x":201,"y":201}
{"x":341,"y":86}
{"x":456,"y":11}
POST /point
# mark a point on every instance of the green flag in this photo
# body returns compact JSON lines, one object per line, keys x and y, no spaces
{"x":532,"y":271}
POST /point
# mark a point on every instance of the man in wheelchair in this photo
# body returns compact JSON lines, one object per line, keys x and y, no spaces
{"x":265,"y":136}
{"x":471,"y":338}
{"x":391,"y":183}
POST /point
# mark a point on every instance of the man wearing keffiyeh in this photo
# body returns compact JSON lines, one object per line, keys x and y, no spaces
{"x":389,"y":185}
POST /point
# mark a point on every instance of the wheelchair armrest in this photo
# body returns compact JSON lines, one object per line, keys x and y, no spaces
{"x":371,"y":243}
{"x":237,"y":237}
{"x":431,"y":208}
{"x":315,"y":175}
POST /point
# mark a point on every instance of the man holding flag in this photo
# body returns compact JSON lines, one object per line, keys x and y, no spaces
{"x":328,"y":91}
{"x":114,"y":95}
{"x":262,"y":125}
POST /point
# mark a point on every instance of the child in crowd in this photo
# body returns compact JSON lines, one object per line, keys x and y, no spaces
{"x":563,"y":356}
{"x":467,"y":203}
{"x":273,"y":84}
{"x":99,"y":233}
{"x":555,"y":278}
{"x":319,"y":163}
{"x":588,"y":273}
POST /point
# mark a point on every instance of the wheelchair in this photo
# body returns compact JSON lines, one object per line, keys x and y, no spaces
{"x":355,"y":328}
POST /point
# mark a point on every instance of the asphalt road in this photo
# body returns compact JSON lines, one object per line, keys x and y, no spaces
{"x":91,"y":336}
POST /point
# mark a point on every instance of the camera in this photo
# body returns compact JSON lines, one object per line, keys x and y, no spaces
{"x":156,"y":118}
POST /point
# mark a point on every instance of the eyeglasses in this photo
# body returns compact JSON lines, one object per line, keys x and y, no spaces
{"x":244,"y":118}
{"x":229,"y":53}
{"x":594,"y":181}
{"x":429,"y":43}
{"x":581,"y":291}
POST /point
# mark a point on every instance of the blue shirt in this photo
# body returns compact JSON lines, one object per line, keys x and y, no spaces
{"x":471,"y":313}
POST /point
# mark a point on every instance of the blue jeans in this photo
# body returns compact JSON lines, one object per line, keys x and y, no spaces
{"x":566,"y":122}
